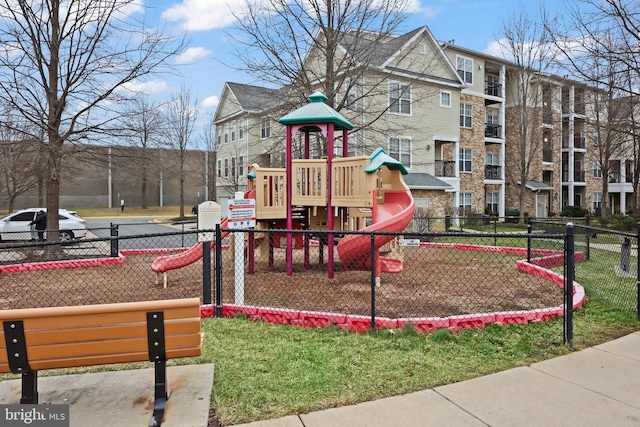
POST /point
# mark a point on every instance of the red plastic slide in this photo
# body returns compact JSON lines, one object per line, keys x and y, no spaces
{"x":169,"y":262}
{"x":394,"y":215}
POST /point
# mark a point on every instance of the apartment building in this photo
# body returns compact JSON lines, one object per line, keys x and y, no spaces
{"x":449,"y":117}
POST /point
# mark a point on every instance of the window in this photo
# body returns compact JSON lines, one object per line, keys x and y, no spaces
{"x":241,"y":129}
{"x":265,"y":127}
{"x":422,"y":48}
{"x":241,"y":170}
{"x":233,"y":131}
{"x":399,"y":98}
{"x":226,"y":133}
{"x":226,"y":168}
{"x":219,"y":138}
{"x":465,"y":115}
{"x":219,"y":168}
{"x":492,"y":202}
{"x":464,"y":67}
{"x":233,"y":167}
{"x":353,"y":146}
{"x":492,"y":159}
{"x":350,"y":102}
{"x":445,"y":98}
{"x":400,"y":149}
{"x":465,"y":159}
{"x":597,"y":201}
{"x":597,"y":169}
{"x":464,"y":204}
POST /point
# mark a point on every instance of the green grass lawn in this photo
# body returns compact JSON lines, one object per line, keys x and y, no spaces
{"x":264,"y":371}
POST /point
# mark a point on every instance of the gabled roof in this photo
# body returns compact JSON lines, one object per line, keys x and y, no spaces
{"x":386,"y":51}
{"x":254,"y":98}
{"x":425,"y":181}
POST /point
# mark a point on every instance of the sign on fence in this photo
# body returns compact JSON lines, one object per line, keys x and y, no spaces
{"x":241,"y":213}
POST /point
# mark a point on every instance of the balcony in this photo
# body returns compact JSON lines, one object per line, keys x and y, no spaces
{"x":492,"y":172}
{"x":492,"y":88}
{"x":578,"y":142}
{"x":578,"y":176}
{"x":492,"y":131}
{"x":614,"y":177}
{"x":445,"y":168}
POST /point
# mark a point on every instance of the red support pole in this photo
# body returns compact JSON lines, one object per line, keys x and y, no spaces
{"x":330,"y":246}
{"x":251,"y":252}
{"x":289,"y":172}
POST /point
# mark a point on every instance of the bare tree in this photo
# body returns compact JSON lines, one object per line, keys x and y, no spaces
{"x":19,"y":159}
{"x":527,"y":45}
{"x":332,"y":46}
{"x":208,"y":147}
{"x":599,"y":43}
{"x":143,"y":125}
{"x":181,"y":117}
{"x":65,"y":62}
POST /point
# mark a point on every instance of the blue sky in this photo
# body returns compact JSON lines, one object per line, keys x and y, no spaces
{"x":472,"y":24}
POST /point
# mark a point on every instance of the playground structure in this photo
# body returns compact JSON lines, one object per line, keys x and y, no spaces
{"x":332,"y":194}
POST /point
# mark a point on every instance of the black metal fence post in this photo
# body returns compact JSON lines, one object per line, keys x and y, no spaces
{"x":114,"y":240}
{"x":373,"y":281}
{"x":638,"y":272}
{"x":568,"y":285}
{"x":587,"y":238}
{"x":529,"y":229}
{"x":206,"y":272}
{"x":218,"y":271}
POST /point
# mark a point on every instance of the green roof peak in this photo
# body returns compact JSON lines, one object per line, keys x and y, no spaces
{"x":318,"y":96}
{"x":316,"y":112}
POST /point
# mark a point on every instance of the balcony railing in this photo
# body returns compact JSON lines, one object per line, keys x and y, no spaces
{"x":578,"y":142}
{"x":445,"y":168}
{"x":492,"y":172}
{"x":492,"y":88}
{"x":492,"y":131}
{"x":578,"y":176}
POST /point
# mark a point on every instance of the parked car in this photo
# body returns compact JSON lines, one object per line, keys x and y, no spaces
{"x":15,"y":226}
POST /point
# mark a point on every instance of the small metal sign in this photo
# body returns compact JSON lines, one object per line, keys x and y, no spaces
{"x":409,"y":242}
{"x":241,"y":213}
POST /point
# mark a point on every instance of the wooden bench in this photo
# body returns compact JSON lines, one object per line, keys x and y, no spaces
{"x":34,"y":339}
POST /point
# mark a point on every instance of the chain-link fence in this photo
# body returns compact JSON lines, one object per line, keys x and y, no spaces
{"x":430,"y":280}
{"x":610,"y":271}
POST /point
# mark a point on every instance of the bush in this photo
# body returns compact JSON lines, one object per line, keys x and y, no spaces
{"x":574,"y":212}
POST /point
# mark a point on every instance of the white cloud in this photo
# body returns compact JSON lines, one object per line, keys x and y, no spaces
{"x":193,"y":54}
{"x":202,"y":15}
{"x":210,"y":102}
{"x":430,"y":12}
{"x":148,"y":87}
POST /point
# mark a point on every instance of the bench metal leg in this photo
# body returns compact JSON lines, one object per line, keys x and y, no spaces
{"x":29,"y":387}
{"x":161,"y":393}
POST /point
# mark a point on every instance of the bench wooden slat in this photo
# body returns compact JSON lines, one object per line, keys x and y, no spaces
{"x":61,"y":320}
{"x":93,"y":310}
{"x":95,"y":360}
{"x":97,"y":333}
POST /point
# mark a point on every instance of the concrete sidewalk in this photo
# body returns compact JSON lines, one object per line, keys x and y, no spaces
{"x":598,"y":386}
{"x":125,"y":398}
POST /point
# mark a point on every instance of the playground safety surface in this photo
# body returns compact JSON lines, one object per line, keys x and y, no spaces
{"x":435,"y":282}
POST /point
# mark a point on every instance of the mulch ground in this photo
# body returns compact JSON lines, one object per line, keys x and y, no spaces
{"x":435,"y":282}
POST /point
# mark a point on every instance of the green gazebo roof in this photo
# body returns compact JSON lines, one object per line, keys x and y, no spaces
{"x":316,"y":111}
{"x":380,"y":158}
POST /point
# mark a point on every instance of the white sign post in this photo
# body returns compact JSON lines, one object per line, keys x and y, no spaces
{"x":241,"y":214}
